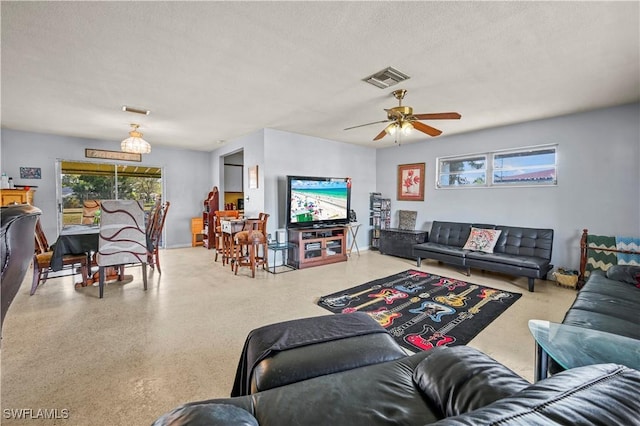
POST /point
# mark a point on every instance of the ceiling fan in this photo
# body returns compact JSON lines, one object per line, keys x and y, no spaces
{"x":402,"y":119}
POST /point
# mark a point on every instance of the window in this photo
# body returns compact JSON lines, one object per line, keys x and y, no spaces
{"x":525,"y":166}
{"x":80,"y":181}
{"x":470,"y":171}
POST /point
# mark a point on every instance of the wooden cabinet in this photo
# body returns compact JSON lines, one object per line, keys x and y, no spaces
{"x":208,"y":219}
{"x":19,"y":196}
{"x":197,"y":230}
{"x":314,"y":247}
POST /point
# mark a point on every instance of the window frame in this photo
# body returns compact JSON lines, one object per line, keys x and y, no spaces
{"x":490,"y":158}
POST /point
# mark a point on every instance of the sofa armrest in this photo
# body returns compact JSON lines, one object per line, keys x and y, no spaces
{"x":461,"y":379}
{"x":307,"y":362}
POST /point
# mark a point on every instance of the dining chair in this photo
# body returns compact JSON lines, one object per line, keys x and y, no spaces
{"x":154,"y":234}
{"x":122,"y":240}
{"x":89,"y":209}
{"x":249,"y":241}
{"x":42,"y":260}
{"x":220,"y":245}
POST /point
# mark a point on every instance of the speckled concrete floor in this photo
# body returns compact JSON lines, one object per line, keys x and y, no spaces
{"x":133,"y":355}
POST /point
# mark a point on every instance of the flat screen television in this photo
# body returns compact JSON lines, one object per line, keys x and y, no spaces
{"x":317,"y":201}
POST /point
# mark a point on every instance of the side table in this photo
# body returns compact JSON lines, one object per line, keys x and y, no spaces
{"x":353,"y":230}
{"x":284,"y":249}
{"x":572,"y":347}
{"x":399,"y":242}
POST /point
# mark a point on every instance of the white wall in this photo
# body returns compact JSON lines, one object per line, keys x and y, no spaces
{"x":186,"y":176}
{"x":293,"y":154}
{"x":598,"y":178}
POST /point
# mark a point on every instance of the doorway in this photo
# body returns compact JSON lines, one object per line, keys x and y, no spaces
{"x":233,"y":195}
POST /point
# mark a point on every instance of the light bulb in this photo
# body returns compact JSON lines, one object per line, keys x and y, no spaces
{"x":391,"y":129}
{"x":406,"y":128}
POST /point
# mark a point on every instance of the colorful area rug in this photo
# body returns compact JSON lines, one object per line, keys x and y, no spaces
{"x":421,"y":310}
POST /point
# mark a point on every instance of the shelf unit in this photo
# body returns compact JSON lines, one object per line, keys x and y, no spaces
{"x":379,"y":217}
{"x":211,"y":205}
{"x":317,"y":246}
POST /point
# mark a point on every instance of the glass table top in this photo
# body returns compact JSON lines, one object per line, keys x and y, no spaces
{"x":572,"y":346}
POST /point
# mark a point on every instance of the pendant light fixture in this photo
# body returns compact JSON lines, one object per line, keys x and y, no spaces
{"x":134,"y":143}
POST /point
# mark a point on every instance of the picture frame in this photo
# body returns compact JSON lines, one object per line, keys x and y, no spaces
{"x":411,"y":182}
{"x":112,"y":155}
{"x":30,"y":173}
{"x":253,"y":177}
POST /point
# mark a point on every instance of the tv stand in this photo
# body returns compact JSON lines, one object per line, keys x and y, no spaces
{"x":317,"y":246}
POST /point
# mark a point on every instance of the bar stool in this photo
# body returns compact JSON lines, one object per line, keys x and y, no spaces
{"x":248,"y":243}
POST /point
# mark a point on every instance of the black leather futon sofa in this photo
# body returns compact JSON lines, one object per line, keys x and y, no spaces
{"x":364,"y":378}
{"x":523,"y":252}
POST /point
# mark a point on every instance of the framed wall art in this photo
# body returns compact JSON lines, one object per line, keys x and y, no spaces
{"x":253,"y":177}
{"x":411,"y":182}
{"x":30,"y":173}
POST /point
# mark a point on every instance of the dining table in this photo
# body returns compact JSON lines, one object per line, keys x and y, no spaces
{"x":75,"y":239}
{"x":81,"y":239}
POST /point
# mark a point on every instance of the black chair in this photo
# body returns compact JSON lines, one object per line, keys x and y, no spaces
{"x":18,"y":227}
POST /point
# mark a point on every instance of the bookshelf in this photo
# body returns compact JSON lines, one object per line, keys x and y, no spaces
{"x":379,"y":217}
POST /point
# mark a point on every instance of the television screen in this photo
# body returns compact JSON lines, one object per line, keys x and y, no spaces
{"x":316,"y":201}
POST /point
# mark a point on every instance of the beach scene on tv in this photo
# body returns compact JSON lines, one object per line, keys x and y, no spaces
{"x":314,"y":200}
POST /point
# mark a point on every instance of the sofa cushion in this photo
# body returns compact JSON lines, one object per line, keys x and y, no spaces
{"x":532,"y":242}
{"x":596,"y":394}
{"x":482,"y":240}
{"x":461,"y":379}
{"x":625,"y":273}
{"x":449,"y":233}
{"x":518,"y":261}
{"x":440,"y":248}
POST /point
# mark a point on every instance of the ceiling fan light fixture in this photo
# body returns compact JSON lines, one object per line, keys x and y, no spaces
{"x":391,"y":129}
{"x":134,"y":143}
{"x":406,"y":127}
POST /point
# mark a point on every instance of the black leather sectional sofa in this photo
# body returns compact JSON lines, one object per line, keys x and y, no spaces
{"x":519,"y":251}
{"x":609,"y":301}
{"x":443,"y":386}
{"x":18,"y":224}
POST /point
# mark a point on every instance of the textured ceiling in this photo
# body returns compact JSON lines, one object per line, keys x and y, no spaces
{"x":213,"y":71}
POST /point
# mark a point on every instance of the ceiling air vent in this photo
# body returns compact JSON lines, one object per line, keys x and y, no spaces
{"x":386,"y":78}
{"x":126,"y":108}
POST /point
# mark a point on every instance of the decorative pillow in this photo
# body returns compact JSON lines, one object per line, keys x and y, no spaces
{"x":482,"y":240}
{"x":625,"y":273}
{"x":407,"y":220}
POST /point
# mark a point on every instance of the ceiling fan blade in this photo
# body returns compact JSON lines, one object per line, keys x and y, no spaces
{"x":438,"y":116}
{"x":431,"y":131}
{"x":368,"y":124}
{"x":381,"y":135}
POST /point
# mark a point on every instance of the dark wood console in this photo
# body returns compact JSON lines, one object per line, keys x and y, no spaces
{"x":317,"y":246}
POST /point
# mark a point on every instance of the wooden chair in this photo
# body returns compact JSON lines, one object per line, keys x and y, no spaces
{"x":249,"y":241}
{"x":154,"y":234}
{"x":122,"y":238}
{"x":42,"y":260}
{"x":89,"y":209}
{"x":218,"y":234}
